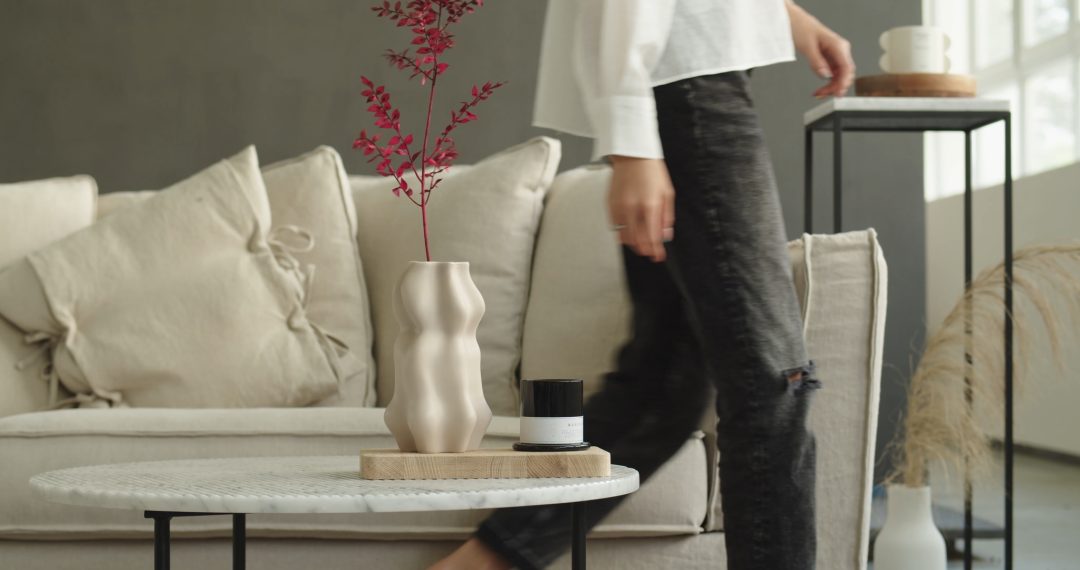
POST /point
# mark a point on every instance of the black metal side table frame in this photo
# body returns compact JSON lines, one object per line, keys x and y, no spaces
{"x":163,"y":537}
{"x":839,"y":121}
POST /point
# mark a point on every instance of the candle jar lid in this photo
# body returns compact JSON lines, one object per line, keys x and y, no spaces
{"x":552,"y":398}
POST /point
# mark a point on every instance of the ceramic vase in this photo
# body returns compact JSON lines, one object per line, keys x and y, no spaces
{"x":909,"y":540}
{"x":438,"y":404}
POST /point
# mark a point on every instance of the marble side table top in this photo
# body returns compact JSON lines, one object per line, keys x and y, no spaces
{"x":902,"y":104}
{"x":303,"y":485}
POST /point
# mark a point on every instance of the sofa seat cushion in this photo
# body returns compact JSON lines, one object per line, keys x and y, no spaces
{"x":672,"y":503}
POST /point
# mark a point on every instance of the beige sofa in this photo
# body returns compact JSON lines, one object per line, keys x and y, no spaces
{"x":575,"y":318}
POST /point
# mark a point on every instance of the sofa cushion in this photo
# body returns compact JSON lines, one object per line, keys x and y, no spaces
{"x":37,"y":213}
{"x":181,"y":301}
{"x":582,"y":342}
{"x":671,"y":503}
{"x":312,"y":192}
{"x":486,"y":214}
{"x":34,"y":215}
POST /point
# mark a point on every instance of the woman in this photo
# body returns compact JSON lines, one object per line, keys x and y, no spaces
{"x":662,"y":88}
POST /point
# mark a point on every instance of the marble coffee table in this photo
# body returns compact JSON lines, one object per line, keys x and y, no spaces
{"x":203,"y":487}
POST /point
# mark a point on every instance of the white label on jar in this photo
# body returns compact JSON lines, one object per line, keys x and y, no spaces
{"x":552,"y":430}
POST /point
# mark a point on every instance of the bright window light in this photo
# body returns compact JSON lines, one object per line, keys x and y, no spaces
{"x":1050,"y":113}
{"x":1044,"y":19}
{"x":1023,"y":51}
{"x":993,"y":31}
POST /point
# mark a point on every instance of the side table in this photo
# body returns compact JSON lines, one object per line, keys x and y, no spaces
{"x":203,"y":487}
{"x":919,"y":114}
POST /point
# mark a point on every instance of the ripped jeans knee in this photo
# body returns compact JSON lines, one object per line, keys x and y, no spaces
{"x":802,"y":379}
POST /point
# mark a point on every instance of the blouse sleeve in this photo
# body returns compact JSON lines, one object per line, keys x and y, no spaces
{"x":617,"y":44}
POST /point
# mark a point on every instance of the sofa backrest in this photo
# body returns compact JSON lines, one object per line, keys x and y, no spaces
{"x":579,"y":315}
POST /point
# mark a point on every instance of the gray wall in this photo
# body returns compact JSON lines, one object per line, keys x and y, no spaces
{"x":141,"y":94}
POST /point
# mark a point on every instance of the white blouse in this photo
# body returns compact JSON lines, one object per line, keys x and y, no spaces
{"x":600,"y":60}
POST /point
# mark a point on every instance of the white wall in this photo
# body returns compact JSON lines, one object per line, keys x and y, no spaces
{"x":1046,"y":208}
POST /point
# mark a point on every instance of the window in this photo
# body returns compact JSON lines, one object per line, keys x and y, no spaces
{"x":1026,"y":51}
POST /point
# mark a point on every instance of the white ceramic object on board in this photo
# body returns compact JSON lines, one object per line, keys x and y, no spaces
{"x":909,"y":540}
{"x":915,"y":49}
{"x":438,"y":404}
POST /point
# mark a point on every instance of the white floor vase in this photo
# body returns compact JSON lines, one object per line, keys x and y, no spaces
{"x":909,"y":540}
{"x":438,"y":404}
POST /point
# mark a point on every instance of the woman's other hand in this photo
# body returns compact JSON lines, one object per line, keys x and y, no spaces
{"x":828,"y":54}
{"x":641,"y":204}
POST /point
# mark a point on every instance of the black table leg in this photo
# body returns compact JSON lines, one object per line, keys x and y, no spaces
{"x":1009,"y":419}
{"x":808,"y":181}
{"x":161,"y":539}
{"x":968,"y":348}
{"x":239,"y":541}
{"x":838,"y":173}
{"x":162,"y":536}
{"x":577,"y":556}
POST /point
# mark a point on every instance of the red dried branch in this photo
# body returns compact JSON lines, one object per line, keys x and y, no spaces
{"x":428,"y":21}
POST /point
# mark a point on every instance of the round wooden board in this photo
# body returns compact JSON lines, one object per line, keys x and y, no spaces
{"x":915,"y":85}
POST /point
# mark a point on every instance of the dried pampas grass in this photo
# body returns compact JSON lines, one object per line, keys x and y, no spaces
{"x":940,"y":425}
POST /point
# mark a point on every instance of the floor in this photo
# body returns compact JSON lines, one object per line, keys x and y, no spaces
{"x":1047,"y":515}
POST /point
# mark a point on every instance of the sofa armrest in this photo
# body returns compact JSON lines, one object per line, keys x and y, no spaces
{"x":841,"y":283}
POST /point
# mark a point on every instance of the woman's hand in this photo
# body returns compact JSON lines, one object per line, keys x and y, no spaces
{"x":828,"y":53}
{"x":641,"y":204}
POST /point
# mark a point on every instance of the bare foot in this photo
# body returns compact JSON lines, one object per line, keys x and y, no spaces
{"x":473,"y":555}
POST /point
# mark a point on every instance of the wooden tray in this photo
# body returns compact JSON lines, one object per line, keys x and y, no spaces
{"x":915,"y":85}
{"x":483,"y":464}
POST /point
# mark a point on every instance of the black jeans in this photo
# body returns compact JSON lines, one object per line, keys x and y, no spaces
{"x":721,"y":310}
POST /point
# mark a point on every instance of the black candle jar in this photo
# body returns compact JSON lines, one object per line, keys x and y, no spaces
{"x":551,"y":416}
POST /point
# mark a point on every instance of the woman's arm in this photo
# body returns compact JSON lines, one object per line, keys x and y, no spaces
{"x":617,"y":44}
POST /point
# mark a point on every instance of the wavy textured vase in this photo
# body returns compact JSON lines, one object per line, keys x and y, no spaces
{"x":438,"y":404}
{"x":909,"y":540}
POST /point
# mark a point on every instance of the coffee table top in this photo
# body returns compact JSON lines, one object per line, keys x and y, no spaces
{"x":303,"y":485}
